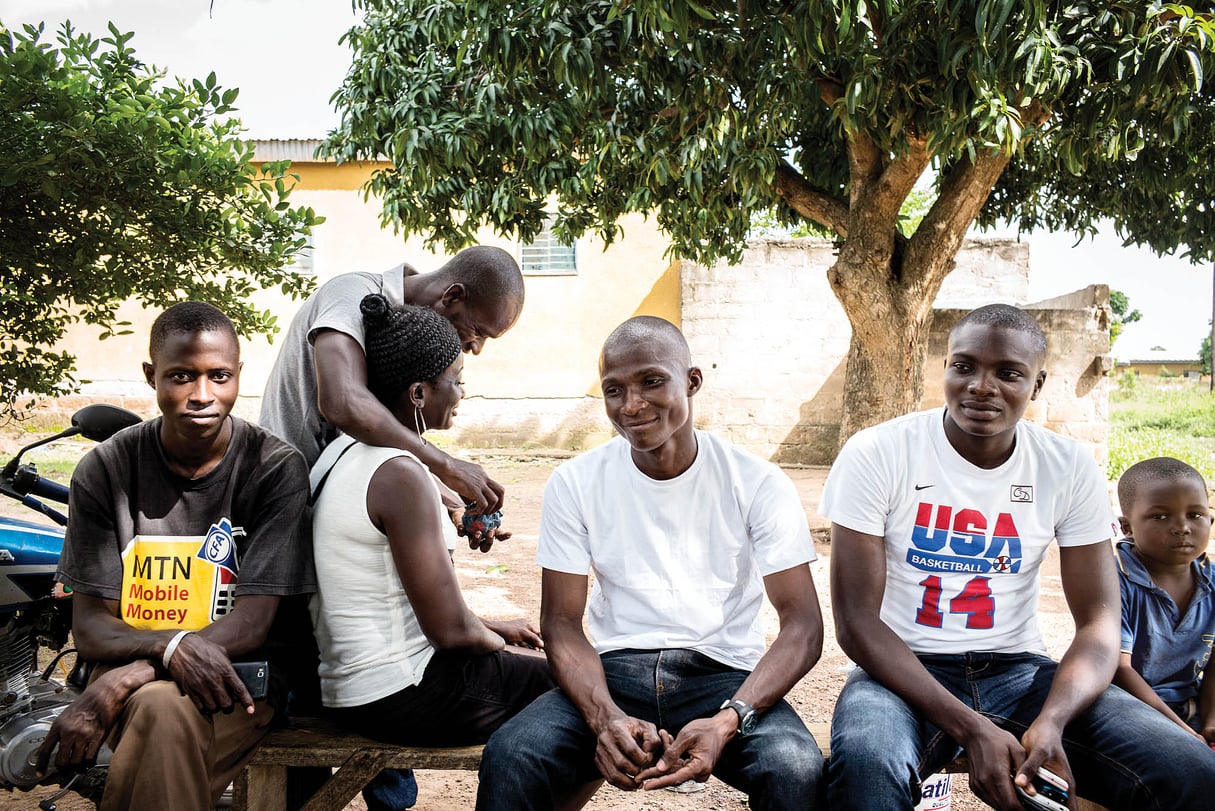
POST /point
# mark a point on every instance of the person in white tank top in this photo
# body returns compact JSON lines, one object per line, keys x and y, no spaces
{"x":403,"y":658}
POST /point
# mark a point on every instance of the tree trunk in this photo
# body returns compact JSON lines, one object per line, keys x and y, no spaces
{"x":885,"y":373}
{"x":887,"y":285}
{"x":885,"y":376}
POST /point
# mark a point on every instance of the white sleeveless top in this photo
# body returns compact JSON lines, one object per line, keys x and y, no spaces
{"x":370,"y":642}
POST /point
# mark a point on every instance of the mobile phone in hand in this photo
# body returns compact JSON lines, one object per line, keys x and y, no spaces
{"x":255,"y":676}
{"x":1052,"y":792}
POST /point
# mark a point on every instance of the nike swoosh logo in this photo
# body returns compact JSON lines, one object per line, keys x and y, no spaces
{"x":924,"y":486}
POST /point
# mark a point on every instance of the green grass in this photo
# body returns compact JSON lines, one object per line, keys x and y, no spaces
{"x":1175,"y":420}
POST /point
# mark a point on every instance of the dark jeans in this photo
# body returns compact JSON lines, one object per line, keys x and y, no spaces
{"x":461,"y":700}
{"x":1124,"y":754}
{"x":547,"y":751}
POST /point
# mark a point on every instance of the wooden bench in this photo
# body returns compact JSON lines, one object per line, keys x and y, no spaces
{"x":312,"y":742}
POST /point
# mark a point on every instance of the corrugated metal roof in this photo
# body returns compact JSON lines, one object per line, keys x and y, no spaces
{"x":292,"y":149}
{"x":1156,"y":359}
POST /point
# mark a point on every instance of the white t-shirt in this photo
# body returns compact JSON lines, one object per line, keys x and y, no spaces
{"x":370,"y":642}
{"x":964,"y":544}
{"x":676,"y":563}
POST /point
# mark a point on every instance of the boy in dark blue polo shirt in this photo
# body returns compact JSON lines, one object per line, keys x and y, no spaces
{"x":1168,"y":592}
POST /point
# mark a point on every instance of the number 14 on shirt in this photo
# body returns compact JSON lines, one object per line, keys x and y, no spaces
{"x":974,"y":601}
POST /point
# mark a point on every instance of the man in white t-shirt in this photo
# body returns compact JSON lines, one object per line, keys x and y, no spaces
{"x":939,"y":524}
{"x":684,"y":533}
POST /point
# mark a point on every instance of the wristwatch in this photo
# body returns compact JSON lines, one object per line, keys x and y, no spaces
{"x":747,"y":716}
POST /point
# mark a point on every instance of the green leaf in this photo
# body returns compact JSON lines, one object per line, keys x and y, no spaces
{"x":117,"y":188}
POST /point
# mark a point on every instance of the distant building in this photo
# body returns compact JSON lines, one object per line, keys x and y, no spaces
{"x":1161,"y":363}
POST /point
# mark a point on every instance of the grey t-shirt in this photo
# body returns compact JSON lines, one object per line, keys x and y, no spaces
{"x":289,"y":404}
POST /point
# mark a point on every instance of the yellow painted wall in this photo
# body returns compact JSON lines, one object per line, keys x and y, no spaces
{"x":551,"y":353}
{"x":1149,"y":369}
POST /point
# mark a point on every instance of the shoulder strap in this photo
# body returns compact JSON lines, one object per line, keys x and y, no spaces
{"x":334,"y":451}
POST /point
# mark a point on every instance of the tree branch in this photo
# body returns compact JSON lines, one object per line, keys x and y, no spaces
{"x":964,"y":190}
{"x":931,"y":249}
{"x":880,"y":201}
{"x":829,"y":90}
{"x":865,"y":165}
{"x":799,"y":195}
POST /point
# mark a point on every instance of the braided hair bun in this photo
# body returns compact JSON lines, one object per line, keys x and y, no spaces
{"x":404,"y":346}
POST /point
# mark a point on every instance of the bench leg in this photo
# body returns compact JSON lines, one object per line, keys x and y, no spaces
{"x":264,"y":789}
{"x":347,"y":781}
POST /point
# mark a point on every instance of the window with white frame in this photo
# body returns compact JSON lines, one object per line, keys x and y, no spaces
{"x":548,"y":256}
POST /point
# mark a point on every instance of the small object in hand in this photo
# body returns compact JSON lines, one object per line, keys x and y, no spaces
{"x":255,"y":677}
{"x":1052,"y":792}
{"x":483,"y":523}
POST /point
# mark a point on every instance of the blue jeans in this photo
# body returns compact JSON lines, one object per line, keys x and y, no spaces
{"x":391,"y":790}
{"x":1124,"y":754}
{"x":547,"y":752}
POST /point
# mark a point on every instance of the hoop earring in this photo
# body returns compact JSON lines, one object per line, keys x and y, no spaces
{"x":419,"y":422}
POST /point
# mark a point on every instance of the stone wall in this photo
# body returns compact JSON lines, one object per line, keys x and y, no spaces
{"x":772,"y":341}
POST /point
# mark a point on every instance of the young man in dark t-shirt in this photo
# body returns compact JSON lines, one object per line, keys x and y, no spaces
{"x":183,"y":534}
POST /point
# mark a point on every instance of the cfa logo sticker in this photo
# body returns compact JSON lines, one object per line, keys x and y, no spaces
{"x":219,"y":547}
{"x":1022,"y":493}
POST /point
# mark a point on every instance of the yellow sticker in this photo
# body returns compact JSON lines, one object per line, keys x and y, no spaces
{"x":168,"y":582}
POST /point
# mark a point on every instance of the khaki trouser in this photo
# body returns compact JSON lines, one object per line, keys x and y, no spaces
{"x":168,"y":756}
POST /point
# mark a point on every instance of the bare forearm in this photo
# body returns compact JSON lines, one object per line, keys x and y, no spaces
{"x":1129,"y":679}
{"x":1085,"y":670}
{"x":1090,"y":585}
{"x":579,"y":672}
{"x":367,"y":420}
{"x":794,"y":651}
{"x":886,"y":658}
{"x":103,"y":638}
{"x":125,"y":680}
{"x":469,"y":635}
{"x":243,"y":629}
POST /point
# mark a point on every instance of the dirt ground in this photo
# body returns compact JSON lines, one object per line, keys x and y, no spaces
{"x":505,"y":583}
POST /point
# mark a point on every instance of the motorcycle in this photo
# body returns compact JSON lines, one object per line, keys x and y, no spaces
{"x":34,"y":614}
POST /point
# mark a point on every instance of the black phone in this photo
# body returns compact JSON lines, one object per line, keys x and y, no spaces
{"x":255,"y":676}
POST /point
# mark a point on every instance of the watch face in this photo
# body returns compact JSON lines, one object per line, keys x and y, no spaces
{"x":748,"y":723}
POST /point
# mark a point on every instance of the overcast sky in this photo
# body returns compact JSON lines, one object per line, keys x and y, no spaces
{"x":285,"y":58}
{"x":282,"y":54}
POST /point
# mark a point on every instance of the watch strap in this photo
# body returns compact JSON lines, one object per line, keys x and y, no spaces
{"x":747,"y":717}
